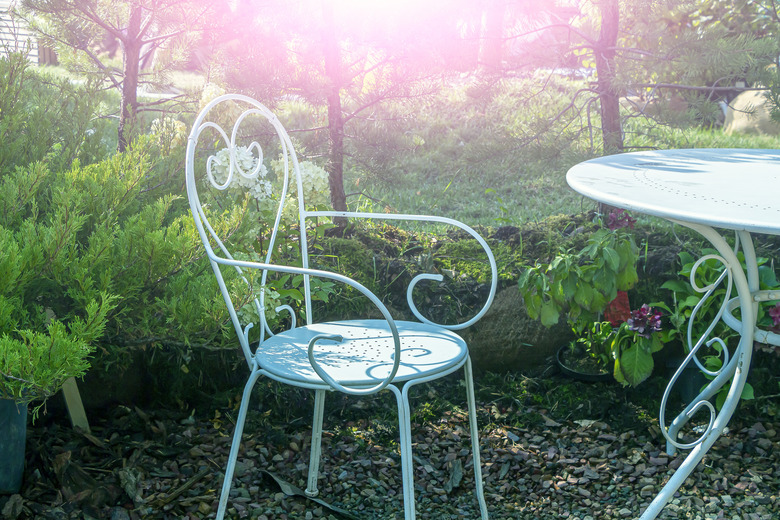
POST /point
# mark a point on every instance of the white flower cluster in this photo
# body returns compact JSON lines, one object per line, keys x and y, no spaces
{"x":244,"y":175}
{"x":316,"y":189}
{"x":210,"y":92}
{"x":170,"y":132}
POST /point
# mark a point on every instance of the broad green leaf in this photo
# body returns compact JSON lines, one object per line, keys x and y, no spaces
{"x":627,"y":278}
{"x":677,"y":286}
{"x":612,"y":258}
{"x":549,"y":314}
{"x":584,"y":295}
{"x":655,"y":343}
{"x":767,"y":277}
{"x":747,"y":393}
{"x":569,"y":287}
{"x":617,"y":373}
{"x":295,"y":294}
{"x":636,"y":364}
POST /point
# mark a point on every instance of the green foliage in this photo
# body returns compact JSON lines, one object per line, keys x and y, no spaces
{"x":633,"y":355}
{"x":580,"y":284}
{"x":467,"y":258}
{"x":84,"y":33}
{"x":44,"y":118}
{"x":48,"y":329}
{"x":596,"y":339}
{"x":34,"y":365}
{"x":438,"y":154}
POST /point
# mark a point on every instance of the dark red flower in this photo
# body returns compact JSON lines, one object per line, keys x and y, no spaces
{"x":620,"y":219}
{"x":644,"y":321}
{"x":774,"y":313}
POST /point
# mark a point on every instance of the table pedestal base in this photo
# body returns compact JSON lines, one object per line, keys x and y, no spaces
{"x":746,"y":283}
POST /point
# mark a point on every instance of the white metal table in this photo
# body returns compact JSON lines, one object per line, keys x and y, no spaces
{"x":707,"y":190}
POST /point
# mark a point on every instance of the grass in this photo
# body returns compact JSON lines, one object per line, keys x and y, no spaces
{"x":482,"y":153}
{"x":474,"y":160}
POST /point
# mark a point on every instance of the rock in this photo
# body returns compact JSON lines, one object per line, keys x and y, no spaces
{"x":119,"y":513}
{"x":749,"y":113}
{"x":506,"y":339}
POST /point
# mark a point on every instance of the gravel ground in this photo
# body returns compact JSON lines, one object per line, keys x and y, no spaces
{"x":167,"y":463}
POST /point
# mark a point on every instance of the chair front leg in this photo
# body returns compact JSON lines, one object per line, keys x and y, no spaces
{"x":231,"y":465}
{"x":475,"y":440}
{"x":405,"y":431}
{"x":316,"y":443}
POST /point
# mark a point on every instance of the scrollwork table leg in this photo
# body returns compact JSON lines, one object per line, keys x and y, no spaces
{"x":745,"y":284}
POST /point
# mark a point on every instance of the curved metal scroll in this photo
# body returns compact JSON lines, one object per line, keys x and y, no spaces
{"x":209,"y":235}
{"x":703,"y":340}
{"x":430,"y":276}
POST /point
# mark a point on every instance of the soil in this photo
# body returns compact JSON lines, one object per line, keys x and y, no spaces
{"x":551,"y":448}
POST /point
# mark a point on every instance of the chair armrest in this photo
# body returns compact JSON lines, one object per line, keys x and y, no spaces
{"x":245,"y":264}
{"x":428,"y":276}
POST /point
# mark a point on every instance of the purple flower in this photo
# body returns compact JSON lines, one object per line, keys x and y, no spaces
{"x":620,"y":219}
{"x":644,"y":321}
{"x":774,"y":313}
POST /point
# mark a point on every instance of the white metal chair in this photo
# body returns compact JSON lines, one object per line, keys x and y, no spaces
{"x":357,"y":357}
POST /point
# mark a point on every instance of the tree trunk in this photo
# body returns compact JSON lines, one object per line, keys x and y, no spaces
{"x":335,"y":116}
{"x":131,"y":46}
{"x":490,"y":36}
{"x":611,"y":130}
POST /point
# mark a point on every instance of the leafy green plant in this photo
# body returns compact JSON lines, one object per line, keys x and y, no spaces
{"x":596,"y":341}
{"x":34,"y":364}
{"x":634,"y":344}
{"x":47,"y":118}
{"x":580,"y":284}
{"x":48,"y":328}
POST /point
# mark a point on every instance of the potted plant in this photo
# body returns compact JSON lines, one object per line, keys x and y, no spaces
{"x":588,"y":357}
{"x":581,"y":285}
{"x":633,"y":345}
{"x":33,"y":366}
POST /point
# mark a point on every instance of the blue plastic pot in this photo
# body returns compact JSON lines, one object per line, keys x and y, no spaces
{"x":13,"y":433}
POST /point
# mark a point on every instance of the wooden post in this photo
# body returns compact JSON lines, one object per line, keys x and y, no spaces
{"x":78,"y":417}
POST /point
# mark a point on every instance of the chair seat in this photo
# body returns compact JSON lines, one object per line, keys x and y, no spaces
{"x":365,"y":357}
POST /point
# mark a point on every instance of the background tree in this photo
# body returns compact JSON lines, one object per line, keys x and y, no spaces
{"x":83,"y":31}
{"x":654,"y":53}
{"x":345,"y":57}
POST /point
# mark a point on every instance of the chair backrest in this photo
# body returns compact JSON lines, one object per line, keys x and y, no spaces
{"x":225,"y":156}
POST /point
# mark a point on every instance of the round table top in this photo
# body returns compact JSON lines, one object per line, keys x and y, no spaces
{"x":727,"y":188}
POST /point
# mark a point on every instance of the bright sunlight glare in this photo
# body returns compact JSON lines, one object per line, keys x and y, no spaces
{"x":374,"y":8}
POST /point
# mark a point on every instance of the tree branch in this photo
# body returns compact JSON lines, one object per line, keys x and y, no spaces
{"x":570,"y":27}
{"x":674,"y":86}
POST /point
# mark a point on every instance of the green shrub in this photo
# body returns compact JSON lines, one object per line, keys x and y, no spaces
{"x":47,"y":330}
{"x":46,"y":118}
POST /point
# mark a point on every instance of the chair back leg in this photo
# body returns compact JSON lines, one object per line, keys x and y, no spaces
{"x":316,"y":443}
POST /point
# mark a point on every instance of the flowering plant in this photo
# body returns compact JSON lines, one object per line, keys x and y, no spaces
{"x":774,"y":313}
{"x":634,"y":344}
{"x":620,"y":219}
{"x":246,"y":173}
